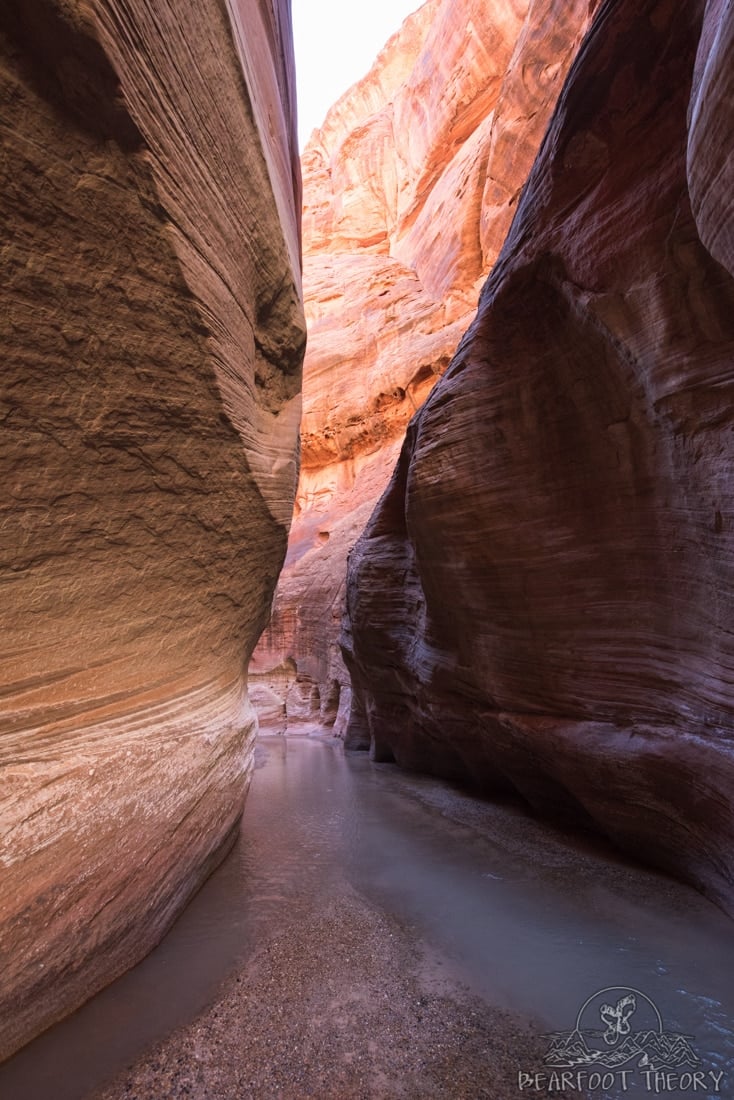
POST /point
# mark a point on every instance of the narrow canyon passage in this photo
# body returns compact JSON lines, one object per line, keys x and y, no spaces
{"x":376,"y":933}
{"x":440,"y":411}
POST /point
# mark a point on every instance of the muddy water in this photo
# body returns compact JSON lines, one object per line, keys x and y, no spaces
{"x":530,"y":919}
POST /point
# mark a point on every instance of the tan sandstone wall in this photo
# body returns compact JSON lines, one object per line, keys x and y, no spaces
{"x":152,"y":337}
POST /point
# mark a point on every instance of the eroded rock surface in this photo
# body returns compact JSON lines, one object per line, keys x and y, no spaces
{"x":152,"y":339}
{"x":409,"y":188}
{"x":542,"y":601}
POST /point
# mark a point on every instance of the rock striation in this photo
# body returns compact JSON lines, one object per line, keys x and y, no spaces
{"x":153,"y":337}
{"x":409,"y":189}
{"x":542,"y":600}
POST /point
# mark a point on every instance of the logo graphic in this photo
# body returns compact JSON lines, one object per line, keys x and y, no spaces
{"x":632,"y":1034}
{"x":619,"y":1043}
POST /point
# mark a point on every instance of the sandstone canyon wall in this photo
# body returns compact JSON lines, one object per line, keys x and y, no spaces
{"x":409,"y":188}
{"x":543,"y":599}
{"x":153,"y":337}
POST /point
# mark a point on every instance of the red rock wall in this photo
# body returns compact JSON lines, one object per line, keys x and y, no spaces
{"x":409,"y":188}
{"x":152,"y":337}
{"x":542,"y":601}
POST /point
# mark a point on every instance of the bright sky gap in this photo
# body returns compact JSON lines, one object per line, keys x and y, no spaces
{"x":336,"y":43}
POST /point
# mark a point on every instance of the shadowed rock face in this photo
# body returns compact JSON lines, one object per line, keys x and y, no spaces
{"x":409,"y":188}
{"x":542,"y":600}
{"x":152,"y":340}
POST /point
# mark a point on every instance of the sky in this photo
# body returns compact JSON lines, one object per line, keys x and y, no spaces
{"x":336,"y":42}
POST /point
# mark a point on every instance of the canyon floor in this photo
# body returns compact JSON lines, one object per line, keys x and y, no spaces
{"x":341,"y":1000}
{"x":341,"y":1003}
{"x":378,"y":934}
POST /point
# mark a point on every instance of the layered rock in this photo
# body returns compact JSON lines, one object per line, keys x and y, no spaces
{"x":409,"y":188}
{"x":153,"y":337}
{"x":542,"y":600}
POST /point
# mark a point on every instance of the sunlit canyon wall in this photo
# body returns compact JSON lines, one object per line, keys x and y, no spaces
{"x":543,"y":600}
{"x":152,"y":344}
{"x":409,"y":189}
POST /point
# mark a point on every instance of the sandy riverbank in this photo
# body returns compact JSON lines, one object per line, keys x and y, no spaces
{"x":392,"y":914}
{"x":339,"y":1005}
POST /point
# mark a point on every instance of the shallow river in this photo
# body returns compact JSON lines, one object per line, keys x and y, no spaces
{"x":529,"y":919}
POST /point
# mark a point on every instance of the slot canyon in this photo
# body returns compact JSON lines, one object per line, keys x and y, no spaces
{"x":367,"y":537}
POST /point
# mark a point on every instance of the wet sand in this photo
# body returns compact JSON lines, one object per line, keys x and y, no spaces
{"x":340,"y":1004}
{"x":340,"y":1001}
{"x":377,"y":934}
